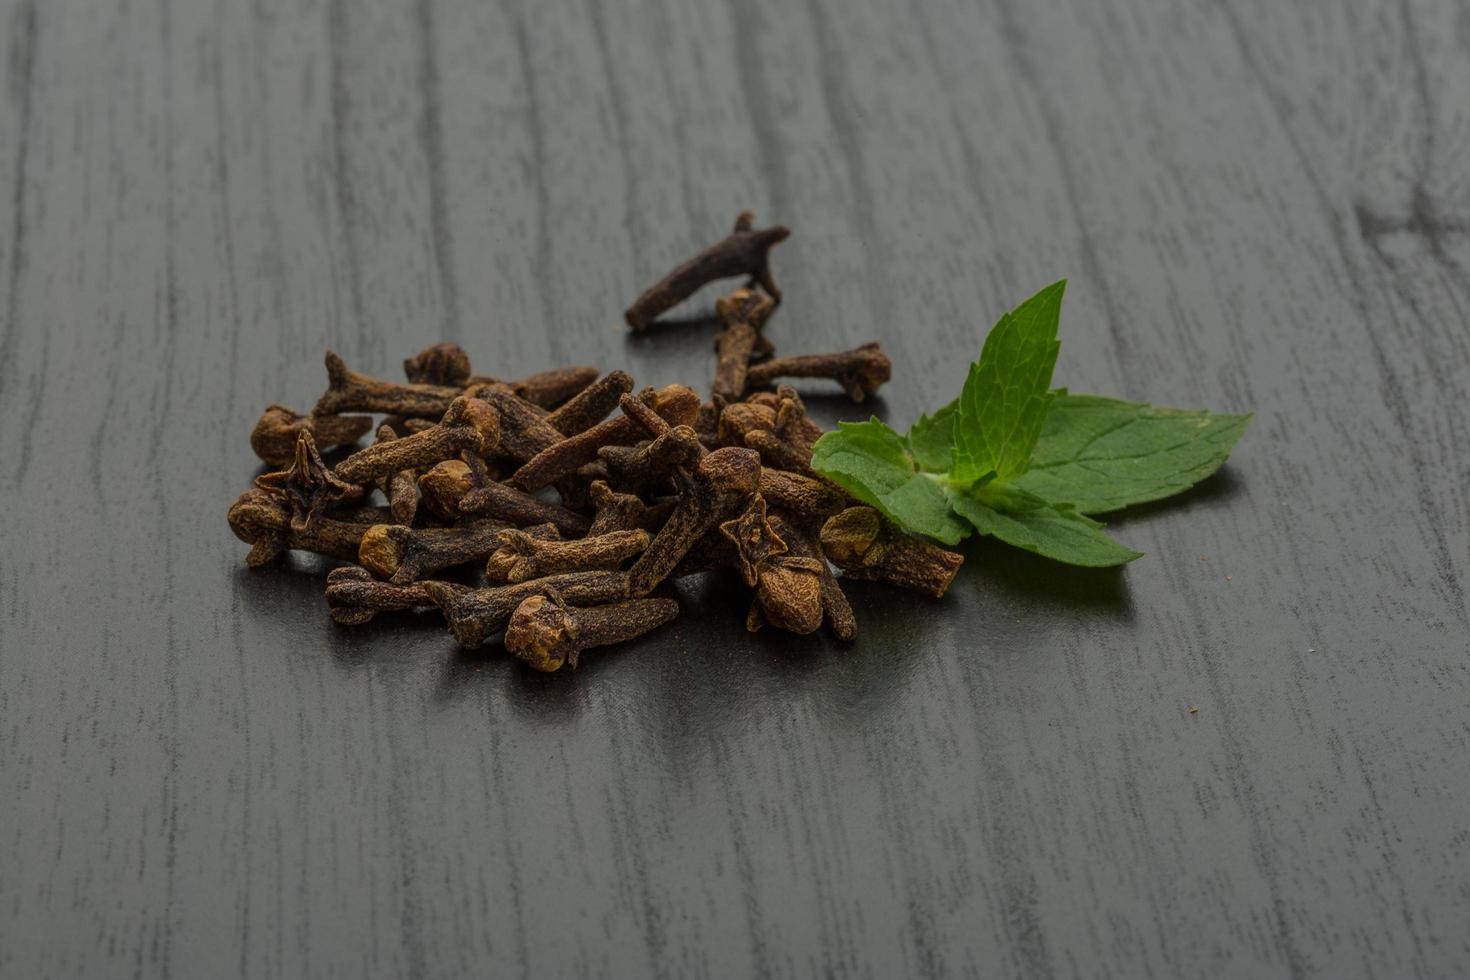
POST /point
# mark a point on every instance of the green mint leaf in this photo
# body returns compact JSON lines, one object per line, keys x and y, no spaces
{"x":931,"y":440}
{"x":1001,"y":409}
{"x":1101,"y":454}
{"x":869,"y":461}
{"x":1021,"y":519}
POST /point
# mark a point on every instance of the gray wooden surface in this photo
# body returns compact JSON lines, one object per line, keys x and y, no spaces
{"x":1260,"y":206}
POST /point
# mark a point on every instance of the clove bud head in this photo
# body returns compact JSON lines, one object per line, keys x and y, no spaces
{"x":382,"y":548}
{"x":789,"y":594}
{"x":543,"y":634}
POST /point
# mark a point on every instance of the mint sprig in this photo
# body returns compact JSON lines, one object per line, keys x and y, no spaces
{"x":1014,"y":459}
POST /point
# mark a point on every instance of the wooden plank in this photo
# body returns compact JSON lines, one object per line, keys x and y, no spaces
{"x":1257,"y":207}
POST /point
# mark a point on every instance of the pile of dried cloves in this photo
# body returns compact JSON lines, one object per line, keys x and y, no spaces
{"x":580,"y":498}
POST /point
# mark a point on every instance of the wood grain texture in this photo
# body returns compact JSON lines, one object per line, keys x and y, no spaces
{"x":1260,"y":206}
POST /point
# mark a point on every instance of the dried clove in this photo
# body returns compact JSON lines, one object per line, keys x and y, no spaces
{"x":274,"y":436}
{"x":308,"y":486}
{"x":792,"y":424}
{"x":354,"y":597}
{"x":406,"y":554}
{"x":538,"y":558}
{"x":480,"y":613}
{"x":675,"y":404}
{"x":502,"y":559}
{"x":349,"y":391}
{"x":550,"y":388}
{"x":444,"y":364}
{"x":524,"y":432}
{"x":400,"y":487}
{"x":444,"y":485}
{"x":742,"y":417}
{"x":860,"y":372}
{"x":671,"y":486}
{"x":262,"y":519}
{"x":755,"y":541}
{"x":865,"y":545}
{"x":547,"y":633}
{"x":468,"y":424}
{"x":636,"y":467}
{"x":614,"y":511}
{"x":518,"y":507}
{"x":743,"y":313}
{"x":720,"y":487}
{"x":744,"y":252}
{"x":592,"y":404}
{"x":835,"y":608}
{"x":801,"y":495}
{"x":788,"y":595}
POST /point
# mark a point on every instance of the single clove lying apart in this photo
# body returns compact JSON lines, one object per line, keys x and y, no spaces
{"x":743,"y":252}
{"x":565,"y":504}
{"x":860,"y":372}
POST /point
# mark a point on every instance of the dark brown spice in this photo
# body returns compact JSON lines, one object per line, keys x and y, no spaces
{"x":537,"y":558}
{"x":478,"y":614}
{"x":444,"y":364}
{"x":524,"y":432}
{"x":354,"y":597}
{"x":792,"y":424}
{"x":444,"y":485}
{"x":744,"y":252}
{"x":263,"y":520}
{"x":800,"y":495}
{"x":468,"y":424}
{"x":274,"y":437}
{"x":400,"y":487}
{"x":788,"y":595}
{"x":865,"y":545}
{"x":592,"y":404}
{"x":518,"y":507}
{"x":835,"y":608}
{"x":755,"y":541}
{"x":860,"y":372}
{"x":744,"y":312}
{"x":742,"y":417}
{"x":407,"y":554}
{"x":548,"y":633}
{"x":308,"y":487}
{"x":676,"y":404}
{"x":550,"y":388}
{"x":719,"y":488}
{"x":637,"y":467}
{"x":502,"y":559}
{"x":614,"y":511}
{"x":349,"y":391}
